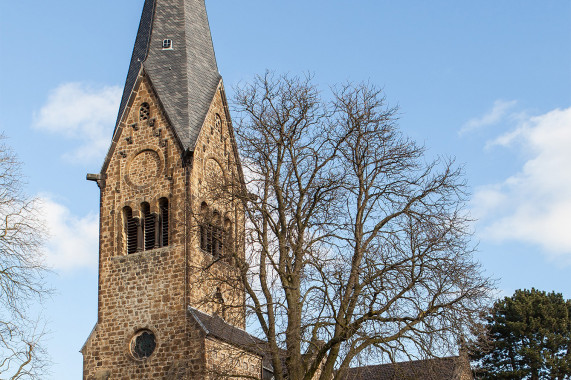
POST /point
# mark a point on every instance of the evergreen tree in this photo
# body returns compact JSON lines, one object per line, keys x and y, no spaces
{"x":529,"y":337}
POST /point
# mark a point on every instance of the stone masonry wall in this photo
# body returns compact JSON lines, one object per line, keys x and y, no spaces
{"x":214,"y":165}
{"x":145,"y":290}
{"x":224,"y":361}
{"x":150,"y":290}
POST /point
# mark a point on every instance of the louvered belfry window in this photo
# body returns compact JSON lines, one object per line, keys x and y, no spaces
{"x":131,"y":230}
{"x":149,"y":232}
{"x":211,"y":238}
{"x":217,"y":236}
{"x":211,"y":232}
{"x":164,"y":222}
{"x":149,"y":227}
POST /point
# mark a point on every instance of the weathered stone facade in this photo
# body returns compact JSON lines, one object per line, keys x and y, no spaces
{"x":223,"y":360}
{"x":163,"y":224}
{"x":152,"y":289}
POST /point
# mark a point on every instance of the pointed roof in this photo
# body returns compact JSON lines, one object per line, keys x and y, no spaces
{"x":185,"y":77}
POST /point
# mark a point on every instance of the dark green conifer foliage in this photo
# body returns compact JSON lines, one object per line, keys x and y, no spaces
{"x":529,"y":338}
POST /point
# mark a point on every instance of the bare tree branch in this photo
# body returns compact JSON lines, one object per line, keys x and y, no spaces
{"x":21,"y":275}
{"x":357,"y":248}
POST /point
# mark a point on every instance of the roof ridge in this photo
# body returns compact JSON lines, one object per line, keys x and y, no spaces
{"x":193,"y":310}
{"x":139,"y":55}
{"x":409,"y":362}
{"x":195,"y":313}
{"x":197,"y":319}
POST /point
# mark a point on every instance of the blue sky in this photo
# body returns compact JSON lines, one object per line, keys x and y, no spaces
{"x":486,"y":82}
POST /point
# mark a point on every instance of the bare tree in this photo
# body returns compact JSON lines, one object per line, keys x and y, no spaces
{"x":21,"y":275}
{"x":357,"y":248}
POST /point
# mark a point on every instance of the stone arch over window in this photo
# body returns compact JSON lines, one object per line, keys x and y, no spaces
{"x":144,"y":111}
{"x":214,"y":174}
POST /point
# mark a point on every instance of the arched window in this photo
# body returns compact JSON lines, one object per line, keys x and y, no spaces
{"x":131,"y":230}
{"x":164,"y":222}
{"x":211,"y":232}
{"x":144,"y":112}
{"x":149,"y":228}
{"x":149,"y":232}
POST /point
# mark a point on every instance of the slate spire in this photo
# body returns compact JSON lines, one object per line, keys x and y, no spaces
{"x":184,"y":75}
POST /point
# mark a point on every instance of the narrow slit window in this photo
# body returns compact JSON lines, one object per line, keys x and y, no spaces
{"x":218,"y":126}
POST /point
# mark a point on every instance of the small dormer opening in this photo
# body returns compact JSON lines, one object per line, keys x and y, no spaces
{"x":167,"y":44}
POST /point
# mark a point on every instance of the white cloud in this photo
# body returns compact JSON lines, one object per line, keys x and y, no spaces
{"x":80,"y":112}
{"x":533,"y":205}
{"x":73,"y":241}
{"x":494,"y":116}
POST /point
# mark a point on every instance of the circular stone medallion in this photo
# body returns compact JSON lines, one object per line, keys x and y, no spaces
{"x":144,"y":168}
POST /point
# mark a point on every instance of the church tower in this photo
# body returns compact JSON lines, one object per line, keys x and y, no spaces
{"x":167,"y":305}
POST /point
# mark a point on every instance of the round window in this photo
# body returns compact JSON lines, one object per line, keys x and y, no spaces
{"x":143,"y":344}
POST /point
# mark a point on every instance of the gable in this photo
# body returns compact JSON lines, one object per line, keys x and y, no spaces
{"x":185,"y":75}
{"x":130,"y":124}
